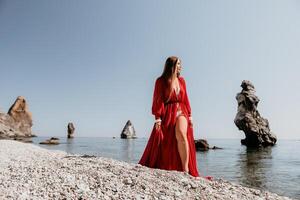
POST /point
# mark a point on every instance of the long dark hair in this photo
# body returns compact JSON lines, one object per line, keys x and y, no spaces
{"x":169,"y":70}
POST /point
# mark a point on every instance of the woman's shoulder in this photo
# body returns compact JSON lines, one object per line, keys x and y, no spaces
{"x":159,"y":80}
{"x":181,"y":79}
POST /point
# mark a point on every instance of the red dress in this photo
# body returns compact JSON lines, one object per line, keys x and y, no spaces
{"x":161,"y":150}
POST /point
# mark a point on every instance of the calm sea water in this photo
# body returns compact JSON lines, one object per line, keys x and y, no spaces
{"x":276,"y":169}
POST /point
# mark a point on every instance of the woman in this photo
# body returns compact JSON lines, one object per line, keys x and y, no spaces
{"x":171,"y":144}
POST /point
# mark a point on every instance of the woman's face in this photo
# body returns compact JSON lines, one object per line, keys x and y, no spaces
{"x":178,"y":67}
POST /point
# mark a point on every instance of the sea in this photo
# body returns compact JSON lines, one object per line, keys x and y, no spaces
{"x":275,"y":169}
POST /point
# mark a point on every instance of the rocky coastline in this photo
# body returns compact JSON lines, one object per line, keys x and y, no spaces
{"x":28,"y":171}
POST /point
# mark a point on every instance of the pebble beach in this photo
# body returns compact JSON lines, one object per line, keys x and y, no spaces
{"x":28,"y":171}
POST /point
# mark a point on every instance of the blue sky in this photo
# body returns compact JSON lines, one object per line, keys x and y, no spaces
{"x":94,"y":62}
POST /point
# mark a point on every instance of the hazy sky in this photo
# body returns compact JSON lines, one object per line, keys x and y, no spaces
{"x":95,"y":62}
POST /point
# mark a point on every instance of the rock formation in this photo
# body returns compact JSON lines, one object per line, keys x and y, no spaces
{"x":51,"y":141}
{"x":201,"y":145}
{"x":22,"y":117}
{"x":71,"y":130}
{"x":17,"y":123}
{"x":248,"y":119}
{"x":128,"y":131}
{"x":6,"y":132}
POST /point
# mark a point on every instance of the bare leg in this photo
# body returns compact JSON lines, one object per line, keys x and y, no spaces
{"x":183,"y":146}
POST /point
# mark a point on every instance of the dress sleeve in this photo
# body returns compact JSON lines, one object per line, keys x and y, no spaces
{"x":158,"y":101}
{"x":186,"y":99}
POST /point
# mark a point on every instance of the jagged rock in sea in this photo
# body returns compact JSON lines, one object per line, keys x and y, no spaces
{"x":201,"y":145}
{"x":128,"y":131}
{"x":249,"y":120}
{"x":214,"y":148}
{"x":71,"y":129}
{"x":17,"y":123}
{"x":51,"y":141}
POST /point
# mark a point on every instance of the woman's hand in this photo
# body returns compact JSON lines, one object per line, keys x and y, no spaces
{"x":157,"y":124}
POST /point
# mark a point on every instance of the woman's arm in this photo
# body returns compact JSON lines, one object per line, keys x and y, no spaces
{"x":158,"y":107}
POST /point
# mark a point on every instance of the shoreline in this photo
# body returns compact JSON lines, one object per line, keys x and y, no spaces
{"x":30,"y":171}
